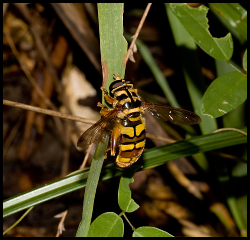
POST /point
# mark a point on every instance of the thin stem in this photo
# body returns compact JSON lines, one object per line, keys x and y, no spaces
{"x":18,"y":221}
{"x":48,"y":112}
{"x":138,"y":31}
{"x":133,"y":228}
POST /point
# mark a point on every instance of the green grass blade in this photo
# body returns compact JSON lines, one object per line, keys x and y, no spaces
{"x":113,"y":44}
{"x":150,"y":158}
{"x":91,"y":185}
{"x":113,"y":52}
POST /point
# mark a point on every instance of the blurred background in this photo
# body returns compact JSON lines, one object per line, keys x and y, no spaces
{"x":56,"y":47}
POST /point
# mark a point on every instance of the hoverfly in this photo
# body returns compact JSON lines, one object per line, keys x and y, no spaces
{"x":125,"y":123}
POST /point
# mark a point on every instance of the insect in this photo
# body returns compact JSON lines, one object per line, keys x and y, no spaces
{"x":125,"y":122}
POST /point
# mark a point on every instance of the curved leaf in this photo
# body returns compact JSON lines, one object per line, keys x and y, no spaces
{"x":108,"y":224}
{"x":195,"y":22}
{"x":224,"y":94}
{"x":150,"y":232}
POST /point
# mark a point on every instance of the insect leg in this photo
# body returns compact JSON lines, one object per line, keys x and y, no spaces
{"x":109,"y":99}
{"x":114,"y":139}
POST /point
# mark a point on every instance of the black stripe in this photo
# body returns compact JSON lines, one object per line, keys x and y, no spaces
{"x":127,"y":123}
{"x":128,"y":143}
{"x":126,"y":136}
{"x":122,"y":97}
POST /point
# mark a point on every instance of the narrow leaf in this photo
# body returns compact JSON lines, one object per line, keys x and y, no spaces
{"x":196,"y":23}
{"x":224,"y":94}
{"x":108,"y":224}
{"x":150,"y":232}
{"x":113,"y":44}
{"x":150,"y":158}
{"x":89,"y":195}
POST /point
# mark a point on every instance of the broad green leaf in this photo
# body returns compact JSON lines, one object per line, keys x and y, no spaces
{"x":92,"y":181}
{"x":196,"y":23}
{"x":108,"y":224}
{"x":150,"y":232}
{"x":233,"y":16}
{"x":113,"y":44}
{"x":151,"y":158}
{"x":126,"y":203}
{"x":245,"y":60}
{"x":224,"y":94}
{"x":187,"y":51}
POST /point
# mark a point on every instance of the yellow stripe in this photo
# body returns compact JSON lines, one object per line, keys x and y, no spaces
{"x":140,"y":144}
{"x":139,"y":128}
{"x":134,"y":159}
{"x":119,"y":93}
{"x":134,"y":119}
{"x":127,"y":130}
{"x":124,"y":101}
{"x":119,"y":159}
{"x":126,"y":147}
{"x":124,"y":85}
{"x":128,"y":111}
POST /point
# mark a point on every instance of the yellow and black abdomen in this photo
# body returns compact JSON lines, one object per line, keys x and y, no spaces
{"x":131,"y":127}
{"x":132,"y":140}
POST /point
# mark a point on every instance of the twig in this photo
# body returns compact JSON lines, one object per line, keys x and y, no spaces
{"x":48,"y":112}
{"x":11,"y":136}
{"x":138,"y":31}
{"x":60,"y":227}
{"x":32,"y":80}
{"x":66,"y":151}
{"x":26,"y":71}
{"x":86,"y":157}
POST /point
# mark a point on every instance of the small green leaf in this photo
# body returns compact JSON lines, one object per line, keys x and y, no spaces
{"x":108,"y":224}
{"x":224,"y":94}
{"x":195,"y":22}
{"x":125,"y":201}
{"x":245,"y":60}
{"x":150,"y":232}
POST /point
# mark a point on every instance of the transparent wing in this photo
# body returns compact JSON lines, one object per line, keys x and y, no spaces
{"x":98,"y":131}
{"x":174,"y":115}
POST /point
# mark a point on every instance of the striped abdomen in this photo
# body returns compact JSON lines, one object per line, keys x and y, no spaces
{"x":132,"y":128}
